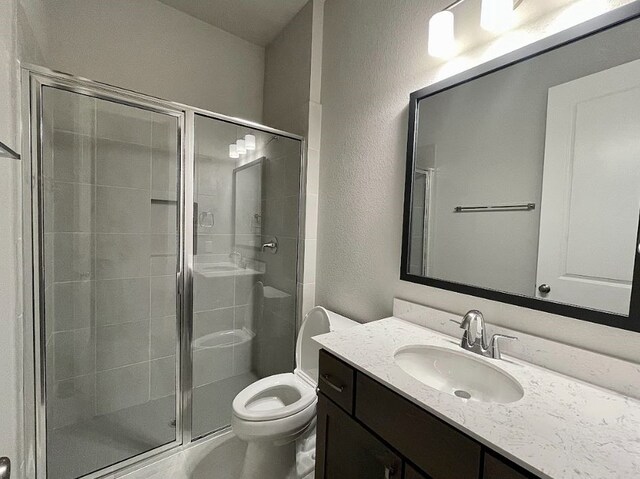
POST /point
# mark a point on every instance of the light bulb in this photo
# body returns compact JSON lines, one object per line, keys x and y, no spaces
{"x":250,"y":142}
{"x":233,"y":151}
{"x":241,"y":147}
{"x":441,"y":37}
{"x":496,"y":15}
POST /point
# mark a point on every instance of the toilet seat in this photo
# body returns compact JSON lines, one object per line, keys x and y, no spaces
{"x":273,"y":413}
{"x":274,"y":397}
{"x":284,"y":404}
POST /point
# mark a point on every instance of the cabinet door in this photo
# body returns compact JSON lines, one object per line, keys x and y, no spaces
{"x":346,"y":450}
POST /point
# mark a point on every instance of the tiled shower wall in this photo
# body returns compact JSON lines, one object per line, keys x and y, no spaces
{"x":110,"y":253}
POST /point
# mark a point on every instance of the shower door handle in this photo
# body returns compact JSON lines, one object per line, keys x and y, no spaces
{"x":5,"y":468}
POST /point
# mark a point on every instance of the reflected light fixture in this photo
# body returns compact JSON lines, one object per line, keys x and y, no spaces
{"x":495,"y":16}
{"x":233,"y":151}
{"x":250,"y":142}
{"x":242,"y":150}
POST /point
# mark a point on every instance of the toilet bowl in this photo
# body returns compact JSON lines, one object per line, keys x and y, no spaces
{"x":276,"y":415}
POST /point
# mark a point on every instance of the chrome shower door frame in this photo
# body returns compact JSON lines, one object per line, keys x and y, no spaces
{"x":34,"y":79}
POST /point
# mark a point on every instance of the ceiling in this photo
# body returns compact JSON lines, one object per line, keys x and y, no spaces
{"x":257,"y":21}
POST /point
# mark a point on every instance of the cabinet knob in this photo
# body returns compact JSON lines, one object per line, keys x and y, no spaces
{"x":544,"y":288}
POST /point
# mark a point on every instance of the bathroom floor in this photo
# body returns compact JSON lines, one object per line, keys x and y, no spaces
{"x":89,"y":445}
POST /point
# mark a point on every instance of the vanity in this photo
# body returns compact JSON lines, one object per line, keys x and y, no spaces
{"x":354,"y":432}
{"x":379,"y":419}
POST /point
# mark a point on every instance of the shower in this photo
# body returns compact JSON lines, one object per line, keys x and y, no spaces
{"x":161,"y":272}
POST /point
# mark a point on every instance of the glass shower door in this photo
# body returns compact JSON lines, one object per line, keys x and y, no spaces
{"x":109,"y":230}
{"x":244,"y":293}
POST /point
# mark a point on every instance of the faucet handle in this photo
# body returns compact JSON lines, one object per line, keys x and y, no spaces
{"x":495,"y":348}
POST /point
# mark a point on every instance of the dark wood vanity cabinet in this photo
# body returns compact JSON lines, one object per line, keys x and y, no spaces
{"x":367,"y":431}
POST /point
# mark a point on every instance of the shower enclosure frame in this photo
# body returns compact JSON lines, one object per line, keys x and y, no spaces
{"x":33,"y":80}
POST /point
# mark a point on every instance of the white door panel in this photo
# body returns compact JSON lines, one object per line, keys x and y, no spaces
{"x":591,"y":190}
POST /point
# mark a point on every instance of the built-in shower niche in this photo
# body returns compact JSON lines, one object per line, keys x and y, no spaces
{"x":110,"y":263}
{"x":244,"y":297}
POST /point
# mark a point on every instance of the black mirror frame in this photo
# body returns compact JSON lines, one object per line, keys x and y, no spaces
{"x":588,"y":28}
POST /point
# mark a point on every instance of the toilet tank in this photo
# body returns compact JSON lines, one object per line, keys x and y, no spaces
{"x":317,"y":321}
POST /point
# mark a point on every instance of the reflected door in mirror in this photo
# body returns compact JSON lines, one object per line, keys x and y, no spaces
{"x":591,"y":190}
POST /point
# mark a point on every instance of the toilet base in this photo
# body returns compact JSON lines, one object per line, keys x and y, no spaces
{"x":264,"y":460}
{"x":290,"y":460}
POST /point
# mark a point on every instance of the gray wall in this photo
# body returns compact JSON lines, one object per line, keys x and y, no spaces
{"x":372,"y":61}
{"x":154,"y":49}
{"x":287,"y":75}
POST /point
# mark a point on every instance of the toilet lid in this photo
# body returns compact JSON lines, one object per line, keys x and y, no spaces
{"x":315,"y":322}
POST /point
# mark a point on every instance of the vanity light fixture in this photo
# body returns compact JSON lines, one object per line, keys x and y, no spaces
{"x":242,"y":149}
{"x":495,"y":16}
{"x":233,"y":151}
{"x":250,"y":142}
{"x":442,"y":42}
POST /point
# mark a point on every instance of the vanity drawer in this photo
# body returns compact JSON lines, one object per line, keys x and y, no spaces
{"x":336,"y":380}
{"x":435,"y":447}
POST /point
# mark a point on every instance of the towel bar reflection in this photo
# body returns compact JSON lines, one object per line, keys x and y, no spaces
{"x":521,"y":207}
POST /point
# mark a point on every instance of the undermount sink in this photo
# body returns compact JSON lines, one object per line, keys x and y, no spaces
{"x":458,"y":373}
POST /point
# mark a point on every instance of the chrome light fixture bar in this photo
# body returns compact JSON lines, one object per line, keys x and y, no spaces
{"x":495,"y":16}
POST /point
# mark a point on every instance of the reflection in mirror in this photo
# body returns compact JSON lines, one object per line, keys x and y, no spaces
{"x":527,"y":180}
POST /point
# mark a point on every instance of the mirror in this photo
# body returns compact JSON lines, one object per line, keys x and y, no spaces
{"x":523,"y":181}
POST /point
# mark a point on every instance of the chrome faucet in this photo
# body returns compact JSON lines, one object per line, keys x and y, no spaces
{"x":474,"y":338}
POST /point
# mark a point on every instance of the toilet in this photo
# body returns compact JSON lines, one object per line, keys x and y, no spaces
{"x":276,"y":415}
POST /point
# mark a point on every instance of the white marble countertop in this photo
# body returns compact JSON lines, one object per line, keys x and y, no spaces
{"x":561,"y":428}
